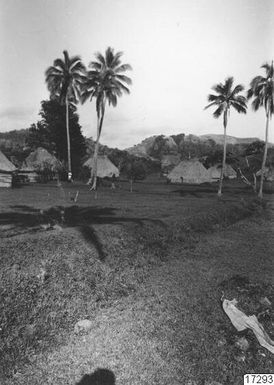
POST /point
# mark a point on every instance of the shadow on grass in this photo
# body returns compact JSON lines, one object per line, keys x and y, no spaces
{"x":27,"y":219}
{"x":90,"y":236}
{"x":99,"y":377}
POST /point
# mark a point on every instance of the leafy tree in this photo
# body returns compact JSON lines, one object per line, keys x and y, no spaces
{"x":226,"y":97}
{"x":64,"y":80}
{"x":262,"y":92}
{"x":50,"y":131}
{"x":105,"y":82}
{"x":249,"y":163}
{"x":134,"y":170}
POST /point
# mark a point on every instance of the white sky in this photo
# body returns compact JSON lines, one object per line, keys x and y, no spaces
{"x":178,"y":50}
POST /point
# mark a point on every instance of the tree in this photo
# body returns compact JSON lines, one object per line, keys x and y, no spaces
{"x":134,"y":170}
{"x":50,"y":131}
{"x":249,"y":163}
{"x":105,"y":82}
{"x":64,"y":80}
{"x":226,"y":97}
{"x":262,"y":92}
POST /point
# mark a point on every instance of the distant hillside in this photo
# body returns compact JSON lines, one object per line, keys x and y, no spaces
{"x":13,"y":138}
{"x":119,"y":157}
{"x":157,"y":146}
{"x":219,"y":139}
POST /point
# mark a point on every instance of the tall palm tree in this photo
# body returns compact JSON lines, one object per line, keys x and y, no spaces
{"x":105,"y":82}
{"x":226,"y":97}
{"x":262,"y":92}
{"x":64,"y":81}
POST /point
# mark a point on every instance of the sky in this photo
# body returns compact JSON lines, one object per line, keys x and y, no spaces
{"x":178,"y":50}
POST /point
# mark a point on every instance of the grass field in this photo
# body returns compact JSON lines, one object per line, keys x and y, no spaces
{"x":148,"y":268}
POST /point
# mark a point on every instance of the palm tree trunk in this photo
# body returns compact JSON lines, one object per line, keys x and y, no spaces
{"x":68,"y":139}
{"x":95,"y":156}
{"x":224,"y":157}
{"x":131,"y":185}
{"x":260,"y":195}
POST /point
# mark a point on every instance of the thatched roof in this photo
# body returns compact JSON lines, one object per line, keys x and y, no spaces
{"x":5,"y":164}
{"x":105,"y":168}
{"x":39,"y":159}
{"x":268,"y":174}
{"x":189,"y":171}
{"x":229,"y":172}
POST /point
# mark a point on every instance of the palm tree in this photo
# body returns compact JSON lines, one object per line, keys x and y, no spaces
{"x":226,"y":97}
{"x":262,"y":92}
{"x":105,"y":82}
{"x":64,"y":81}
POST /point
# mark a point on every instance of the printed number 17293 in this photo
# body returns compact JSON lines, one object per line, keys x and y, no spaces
{"x":255,"y":379}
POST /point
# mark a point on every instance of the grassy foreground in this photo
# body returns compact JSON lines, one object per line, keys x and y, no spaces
{"x":147,"y":268}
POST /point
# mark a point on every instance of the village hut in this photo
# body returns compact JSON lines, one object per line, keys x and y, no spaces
{"x":38,"y":162}
{"x":189,"y":171}
{"x":215,"y":172}
{"x":268,"y":174}
{"x":105,"y":168}
{"x":7,"y":170}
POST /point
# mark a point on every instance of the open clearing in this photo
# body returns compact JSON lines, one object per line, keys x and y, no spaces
{"x":147,"y":268}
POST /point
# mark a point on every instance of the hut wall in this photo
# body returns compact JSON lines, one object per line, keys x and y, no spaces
{"x":5,"y":179}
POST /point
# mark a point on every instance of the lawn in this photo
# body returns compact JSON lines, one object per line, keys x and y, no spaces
{"x":147,"y":267}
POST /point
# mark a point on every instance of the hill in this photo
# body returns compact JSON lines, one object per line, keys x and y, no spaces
{"x":218,"y":139}
{"x":186,"y":146}
{"x":13,"y":138}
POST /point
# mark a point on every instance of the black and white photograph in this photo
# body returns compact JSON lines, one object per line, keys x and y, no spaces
{"x":136,"y":192}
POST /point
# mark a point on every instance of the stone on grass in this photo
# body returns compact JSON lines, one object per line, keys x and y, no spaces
{"x":57,"y":227}
{"x":82,"y":326}
{"x":222,"y":342}
{"x":265,"y":302}
{"x":46,"y":226}
{"x":240,"y":357}
{"x":242,"y":343}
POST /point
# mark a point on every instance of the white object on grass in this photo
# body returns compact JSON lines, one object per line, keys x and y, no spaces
{"x":241,"y":322}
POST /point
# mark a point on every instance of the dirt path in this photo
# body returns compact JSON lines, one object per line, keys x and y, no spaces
{"x":168,"y":331}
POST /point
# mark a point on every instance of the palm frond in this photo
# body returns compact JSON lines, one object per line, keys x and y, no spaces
{"x":123,"y":68}
{"x":100,"y":58}
{"x":268,"y":69}
{"x":59,"y":64}
{"x":239,"y":107}
{"x":240,"y":99}
{"x":228,"y":85}
{"x":116,"y":62}
{"x":210,"y":105}
{"x":217,"y":113}
{"x":214,"y":98}
{"x":219,"y":88}
{"x":237,"y":89}
{"x":77,"y":66}
{"x":256,"y":103}
{"x":112,"y":99}
{"x":121,"y":86}
{"x":95,"y":65}
{"x":124,"y":79}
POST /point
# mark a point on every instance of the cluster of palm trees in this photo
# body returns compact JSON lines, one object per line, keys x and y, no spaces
{"x":70,"y":82}
{"x":261,"y":92}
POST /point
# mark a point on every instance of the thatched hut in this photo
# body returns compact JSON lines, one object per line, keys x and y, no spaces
{"x":189,"y":171}
{"x":229,"y":172}
{"x":7,"y":170}
{"x":39,"y":162}
{"x":105,"y":168}
{"x":268,"y":174}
